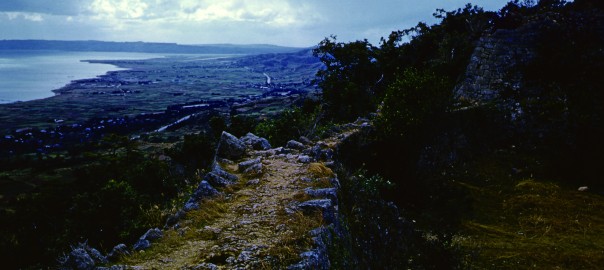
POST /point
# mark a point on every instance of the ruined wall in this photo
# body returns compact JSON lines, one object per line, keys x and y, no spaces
{"x":497,"y":63}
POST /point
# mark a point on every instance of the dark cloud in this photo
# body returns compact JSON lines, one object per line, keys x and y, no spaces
{"x":52,"y":7}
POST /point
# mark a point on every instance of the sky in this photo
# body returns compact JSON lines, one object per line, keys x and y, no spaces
{"x":297,"y":23}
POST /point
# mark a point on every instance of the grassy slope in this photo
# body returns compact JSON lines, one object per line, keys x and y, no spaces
{"x":528,"y":222}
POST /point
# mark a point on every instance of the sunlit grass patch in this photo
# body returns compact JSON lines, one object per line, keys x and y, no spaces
{"x":294,"y":238}
{"x":319,"y":170}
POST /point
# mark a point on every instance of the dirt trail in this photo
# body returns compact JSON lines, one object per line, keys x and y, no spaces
{"x":254,"y":224}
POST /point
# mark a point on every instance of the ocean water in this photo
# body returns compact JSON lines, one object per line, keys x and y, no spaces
{"x":29,"y":75}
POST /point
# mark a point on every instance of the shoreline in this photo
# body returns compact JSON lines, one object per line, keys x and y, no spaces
{"x":26,"y":86}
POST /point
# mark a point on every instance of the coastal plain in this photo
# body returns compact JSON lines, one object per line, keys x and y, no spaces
{"x":150,"y":86}
{"x":153,"y":93}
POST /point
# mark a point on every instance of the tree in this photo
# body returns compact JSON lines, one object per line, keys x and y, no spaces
{"x":350,"y":80}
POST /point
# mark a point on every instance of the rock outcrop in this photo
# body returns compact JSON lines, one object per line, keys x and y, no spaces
{"x":230,"y":147}
{"x":82,"y":257}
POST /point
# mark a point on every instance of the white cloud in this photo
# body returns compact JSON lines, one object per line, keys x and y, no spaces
{"x":119,"y":9}
{"x":29,"y":16}
{"x":268,"y":12}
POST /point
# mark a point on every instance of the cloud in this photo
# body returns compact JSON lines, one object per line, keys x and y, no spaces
{"x":53,"y":7}
{"x":269,"y":12}
{"x":34,"y":17}
{"x":119,"y":9}
{"x":285,"y":22}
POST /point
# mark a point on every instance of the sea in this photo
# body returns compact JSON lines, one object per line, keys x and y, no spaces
{"x":28,"y":75}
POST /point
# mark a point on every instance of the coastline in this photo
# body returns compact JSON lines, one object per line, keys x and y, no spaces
{"x":26,"y":76}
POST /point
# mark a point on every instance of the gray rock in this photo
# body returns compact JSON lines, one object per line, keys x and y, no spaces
{"x":254,"y":169}
{"x":230,"y":147}
{"x":316,"y":258}
{"x":304,"y":159}
{"x":216,"y":180}
{"x":321,"y":152}
{"x":329,"y":193}
{"x":224,"y":174}
{"x":82,"y":256}
{"x":306,"y":179}
{"x":153,"y":234}
{"x":319,"y":204}
{"x":118,"y":251}
{"x":113,"y":267}
{"x":242,"y":166}
{"x":204,"y":190}
{"x":257,"y":143}
{"x":253,"y":182}
{"x":206,"y":266}
{"x":311,"y":260}
{"x":295,"y":145}
{"x":281,"y":151}
{"x":190,"y":205}
{"x":173,"y":219}
{"x":304,"y":140}
{"x":231,"y":260}
{"x":79,"y":259}
{"x":323,"y":205}
{"x":245,"y":256}
{"x":96,"y":255}
{"x":144,"y":242}
{"x":141,"y":244}
{"x":261,"y":144}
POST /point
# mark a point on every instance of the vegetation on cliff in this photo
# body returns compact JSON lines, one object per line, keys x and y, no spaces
{"x":472,"y":173}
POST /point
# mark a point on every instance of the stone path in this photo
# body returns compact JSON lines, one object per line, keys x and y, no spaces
{"x":257,"y":222}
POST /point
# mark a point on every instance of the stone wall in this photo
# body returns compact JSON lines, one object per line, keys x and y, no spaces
{"x":497,"y":63}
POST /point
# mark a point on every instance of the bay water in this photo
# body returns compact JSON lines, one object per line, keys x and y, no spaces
{"x":28,"y":75}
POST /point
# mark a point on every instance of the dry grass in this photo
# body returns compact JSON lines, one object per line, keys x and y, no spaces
{"x":536,"y":224}
{"x":294,"y":239}
{"x":319,"y":170}
{"x":193,"y":229}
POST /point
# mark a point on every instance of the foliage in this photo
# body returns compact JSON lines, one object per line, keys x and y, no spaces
{"x":412,"y":102}
{"x":242,"y":124}
{"x":217,"y":125}
{"x":290,"y":124}
{"x":107,"y":196}
{"x":357,"y":74}
{"x":567,"y":77}
{"x":424,"y":146}
{"x":378,"y":238}
{"x":350,"y":79}
{"x":195,"y":152}
{"x":443,"y":49}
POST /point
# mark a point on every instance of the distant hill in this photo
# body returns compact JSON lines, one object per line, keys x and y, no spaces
{"x":143,"y":47}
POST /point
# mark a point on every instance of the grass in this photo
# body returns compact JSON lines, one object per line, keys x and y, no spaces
{"x":193,"y":229}
{"x":531,"y":224}
{"x":295,"y":238}
{"x":319,"y":170}
{"x":207,"y":234}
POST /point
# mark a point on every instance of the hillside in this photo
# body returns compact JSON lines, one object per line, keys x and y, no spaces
{"x":271,"y":209}
{"x":473,"y":143}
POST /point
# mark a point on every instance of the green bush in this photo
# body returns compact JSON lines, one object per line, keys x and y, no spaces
{"x":411,"y":103}
{"x":291,"y":124}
